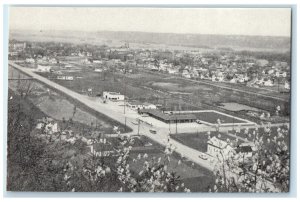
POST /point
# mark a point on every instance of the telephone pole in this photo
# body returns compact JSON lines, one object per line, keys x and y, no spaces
{"x":176,"y":124}
{"x":138,"y":127}
{"x":124,"y":95}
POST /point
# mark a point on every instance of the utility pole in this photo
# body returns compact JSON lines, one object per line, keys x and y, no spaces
{"x":138,"y":127}
{"x":169,"y":125}
{"x":164,"y":108}
{"x":124,"y":95}
{"x":176,"y":124}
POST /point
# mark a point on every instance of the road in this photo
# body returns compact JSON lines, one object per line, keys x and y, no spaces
{"x":116,"y":113}
{"x":228,"y":88}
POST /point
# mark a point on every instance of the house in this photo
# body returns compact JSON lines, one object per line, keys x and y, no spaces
{"x":101,"y":149}
{"x":113,"y":96}
{"x":245,"y":150}
{"x":287,"y":86}
{"x":42,"y":68}
{"x":49,"y":126}
{"x":149,"y":106}
{"x":219,"y":148}
{"x":61,"y":77}
{"x":29,"y":60}
{"x":69,"y":78}
{"x":213,"y":78}
{"x":172,"y":71}
{"x":53,"y":61}
{"x":186,"y":74}
{"x":135,"y":105}
{"x":233,"y":80}
{"x":86,"y":61}
{"x":97,"y":61}
{"x":268,"y":83}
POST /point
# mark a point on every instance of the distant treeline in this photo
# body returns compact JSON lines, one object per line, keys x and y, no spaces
{"x":270,"y":56}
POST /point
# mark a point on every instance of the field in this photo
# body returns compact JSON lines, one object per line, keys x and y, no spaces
{"x":174,"y":93}
{"x":195,"y":177}
{"x":232,"y":106}
{"x":212,"y":117}
{"x":197,"y":141}
{"x":60,"y":107}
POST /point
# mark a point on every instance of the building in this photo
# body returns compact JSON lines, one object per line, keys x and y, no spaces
{"x":42,"y":68}
{"x":136,"y":105}
{"x":218,"y":148}
{"x":169,"y":118}
{"x":245,"y":150}
{"x":113,"y":96}
{"x":268,"y":83}
{"x":98,"y":70}
{"x":68,"y":78}
{"x":101,"y":149}
{"x":29,"y":60}
{"x":149,"y":106}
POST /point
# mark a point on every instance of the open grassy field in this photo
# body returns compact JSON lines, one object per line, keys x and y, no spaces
{"x":195,"y":177}
{"x":199,"y":140}
{"x":213,"y":95}
{"x":60,"y":107}
{"x":159,"y":89}
{"x":212,"y":117}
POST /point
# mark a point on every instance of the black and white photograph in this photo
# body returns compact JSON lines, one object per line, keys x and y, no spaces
{"x":149,"y":99}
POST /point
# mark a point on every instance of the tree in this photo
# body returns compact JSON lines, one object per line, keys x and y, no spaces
{"x":267,"y":170}
{"x":113,"y":174}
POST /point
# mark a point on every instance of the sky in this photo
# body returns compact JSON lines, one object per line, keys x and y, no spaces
{"x":226,"y":21}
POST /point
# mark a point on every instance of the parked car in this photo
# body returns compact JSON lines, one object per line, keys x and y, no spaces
{"x":203,"y":156}
{"x":153,"y":131}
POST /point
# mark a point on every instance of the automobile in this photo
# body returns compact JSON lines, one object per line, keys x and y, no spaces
{"x":198,"y":121}
{"x":153,"y":131}
{"x":203,"y":156}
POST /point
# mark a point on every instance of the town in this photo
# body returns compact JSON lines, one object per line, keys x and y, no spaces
{"x":196,"y":103}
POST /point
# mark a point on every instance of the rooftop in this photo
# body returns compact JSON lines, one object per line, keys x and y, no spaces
{"x":169,"y":117}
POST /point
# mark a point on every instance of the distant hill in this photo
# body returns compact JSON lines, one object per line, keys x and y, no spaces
{"x":200,"y":40}
{"x":191,"y":40}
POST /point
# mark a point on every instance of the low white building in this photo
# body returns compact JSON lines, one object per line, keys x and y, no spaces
{"x":113,"y":96}
{"x":68,"y":78}
{"x":136,"y":105}
{"x":42,"y":68}
{"x":29,"y":60}
{"x":149,"y":106}
{"x":287,"y":86}
{"x":97,"y":61}
{"x":268,"y":83}
{"x":218,"y":148}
